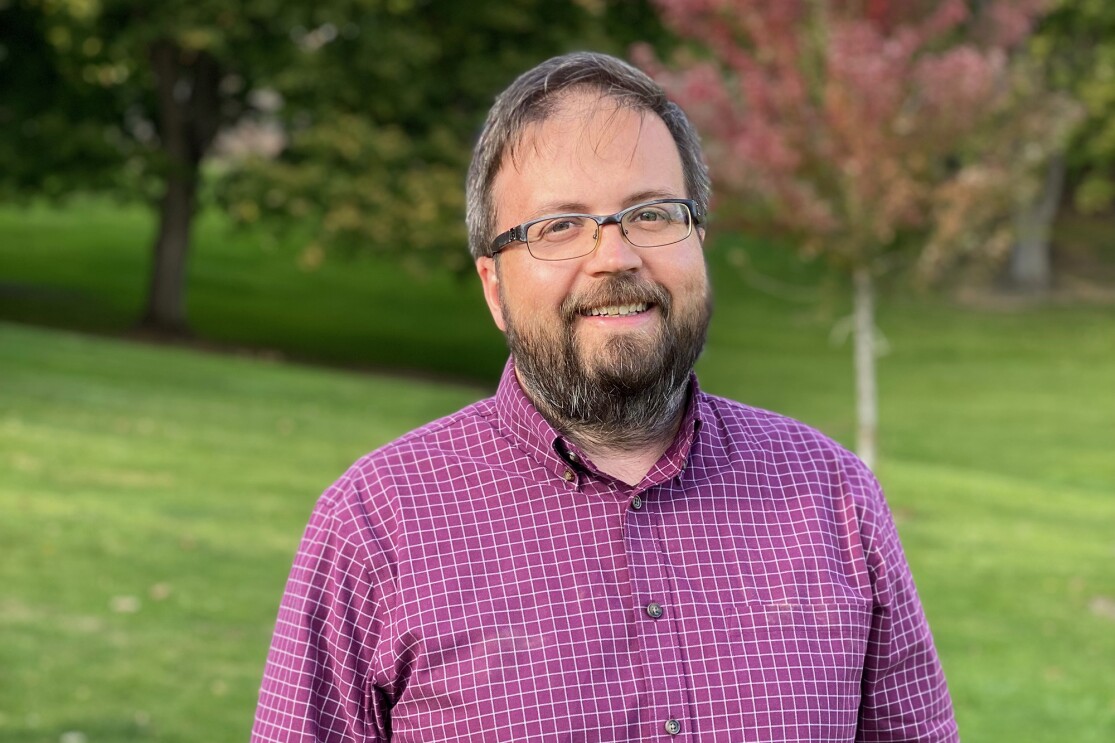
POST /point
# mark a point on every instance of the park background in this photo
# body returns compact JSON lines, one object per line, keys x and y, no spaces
{"x":164,"y":431}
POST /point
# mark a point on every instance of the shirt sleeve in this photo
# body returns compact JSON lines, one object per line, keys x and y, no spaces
{"x":317,"y":682}
{"x":905,"y":697}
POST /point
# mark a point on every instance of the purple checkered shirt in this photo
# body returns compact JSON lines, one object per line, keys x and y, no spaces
{"x":480,"y":579}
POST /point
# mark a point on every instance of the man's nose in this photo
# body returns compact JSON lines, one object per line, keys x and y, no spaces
{"x":613,"y":254}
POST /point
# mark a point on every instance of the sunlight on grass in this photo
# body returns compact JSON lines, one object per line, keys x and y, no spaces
{"x":1011,"y":570}
{"x":155,"y":499}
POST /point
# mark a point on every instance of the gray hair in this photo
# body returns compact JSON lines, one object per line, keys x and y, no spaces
{"x":536,"y":95}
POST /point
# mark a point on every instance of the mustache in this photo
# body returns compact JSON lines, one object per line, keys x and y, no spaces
{"x":616,"y":289}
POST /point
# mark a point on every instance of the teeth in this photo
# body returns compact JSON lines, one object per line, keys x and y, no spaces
{"x":618,"y":310}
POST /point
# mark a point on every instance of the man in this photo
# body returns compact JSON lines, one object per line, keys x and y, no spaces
{"x":601,"y":551}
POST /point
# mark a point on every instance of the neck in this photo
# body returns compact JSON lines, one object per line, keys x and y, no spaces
{"x":627,"y":446}
{"x":629,"y":465}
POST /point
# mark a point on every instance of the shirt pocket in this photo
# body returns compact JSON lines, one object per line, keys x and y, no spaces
{"x":804,"y":662}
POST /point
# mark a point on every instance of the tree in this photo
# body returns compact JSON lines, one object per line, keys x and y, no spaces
{"x":148,"y":86}
{"x":1074,"y":51}
{"x":381,"y":99}
{"x":865,"y":130}
{"x":384,"y":112}
{"x":52,"y":127}
{"x":1076,"y":44}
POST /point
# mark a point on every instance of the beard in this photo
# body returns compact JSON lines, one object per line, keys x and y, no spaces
{"x":630,"y":391}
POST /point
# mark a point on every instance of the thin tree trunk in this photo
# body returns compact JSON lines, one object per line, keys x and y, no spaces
{"x":867,"y":406}
{"x":1031,"y":268}
{"x":166,"y":295}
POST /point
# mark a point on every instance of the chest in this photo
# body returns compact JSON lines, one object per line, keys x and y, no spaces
{"x":574,"y":616}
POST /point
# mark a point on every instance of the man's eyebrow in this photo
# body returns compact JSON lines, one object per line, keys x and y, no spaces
{"x":560,"y":207}
{"x":576,"y":207}
{"x":651,"y":196}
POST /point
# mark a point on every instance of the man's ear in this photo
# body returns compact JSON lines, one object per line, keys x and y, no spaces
{"x":488,"y":270}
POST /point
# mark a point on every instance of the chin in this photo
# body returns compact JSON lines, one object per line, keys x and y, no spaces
{"x":628,"y":356}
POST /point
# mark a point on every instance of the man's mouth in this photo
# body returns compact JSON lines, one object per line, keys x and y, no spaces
{"x":616,"y":310}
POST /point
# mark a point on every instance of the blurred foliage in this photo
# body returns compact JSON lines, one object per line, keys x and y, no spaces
{"x":1076,"y":43}
{"x":384,"y":106}
{"x":78,"y":92}
{"x":57,"y":132}
{"x":877,"y":135}
{"x":375,"y":104}
{"x":129,"y":96}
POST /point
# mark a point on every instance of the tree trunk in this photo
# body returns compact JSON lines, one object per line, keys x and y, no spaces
{"x":166,"y":296}
{"x":867,"y":405}
{"x":1030,"y":268}
{"x":187,"y":85}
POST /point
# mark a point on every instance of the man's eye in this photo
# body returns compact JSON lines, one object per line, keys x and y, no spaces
{"x":645,"y":216}
{"x":565,"y":224}
{"x":558,"y":229}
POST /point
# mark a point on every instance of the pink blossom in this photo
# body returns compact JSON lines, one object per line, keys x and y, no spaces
{"x":833,"y":117}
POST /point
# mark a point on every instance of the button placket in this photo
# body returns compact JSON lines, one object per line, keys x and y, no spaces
{"x":652,"y":587}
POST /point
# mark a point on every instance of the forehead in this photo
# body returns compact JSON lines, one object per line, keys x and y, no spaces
{"x":589,"y":149}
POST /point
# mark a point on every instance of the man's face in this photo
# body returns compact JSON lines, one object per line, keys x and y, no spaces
{"x":593,"y":157}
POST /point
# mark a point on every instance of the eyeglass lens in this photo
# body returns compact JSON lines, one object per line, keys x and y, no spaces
{"x":574,"y":235}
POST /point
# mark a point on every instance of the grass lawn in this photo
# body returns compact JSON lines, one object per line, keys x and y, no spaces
{"x":86,"y":267}
{"x":152,"y":497}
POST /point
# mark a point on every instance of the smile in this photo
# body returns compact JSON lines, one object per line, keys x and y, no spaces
{"x":617,"y":310}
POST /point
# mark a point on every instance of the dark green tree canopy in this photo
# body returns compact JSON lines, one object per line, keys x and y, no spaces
{"x":1076,"y":43}
{"x":384,"y":107}
{"x":379,"y":102}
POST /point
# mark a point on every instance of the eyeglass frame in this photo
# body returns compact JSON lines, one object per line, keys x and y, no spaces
{"x":518,"y":233}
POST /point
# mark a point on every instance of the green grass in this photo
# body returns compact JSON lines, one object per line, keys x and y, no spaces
{"x":152,"y":496}
{"x":152,"y":499}
{"x":86,"y":267}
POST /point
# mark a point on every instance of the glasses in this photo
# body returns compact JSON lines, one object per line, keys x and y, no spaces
{"x":560,"y":237}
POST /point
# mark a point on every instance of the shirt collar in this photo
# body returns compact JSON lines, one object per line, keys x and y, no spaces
{"x":676,"y":458}
{"x":526,"y":427}
{"x":534,"y":435}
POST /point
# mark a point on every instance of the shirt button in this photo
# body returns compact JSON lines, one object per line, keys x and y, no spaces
{"x":654,"y":610}
{"x":636,"y":503}
{"x":567,"y":475}
{"x":673,"y":727}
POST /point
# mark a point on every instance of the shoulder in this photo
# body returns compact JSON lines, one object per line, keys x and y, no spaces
{"x":785,"y":444}
{"x":764,"y":427}
{"x":793,"y":463}
{"x":416,"y":460}
{"x":467,"y":431}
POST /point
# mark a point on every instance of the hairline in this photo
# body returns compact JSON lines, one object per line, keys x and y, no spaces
{"x":518,"y":141}
{"x":519,"y":107}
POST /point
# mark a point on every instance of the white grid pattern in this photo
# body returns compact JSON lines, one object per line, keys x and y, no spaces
{"x":454,"y":585}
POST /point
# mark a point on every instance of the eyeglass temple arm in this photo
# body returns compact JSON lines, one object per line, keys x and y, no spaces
{"x":502,"y":241}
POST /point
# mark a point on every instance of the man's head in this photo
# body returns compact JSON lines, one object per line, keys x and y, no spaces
{"x":535,"y":95}
{"x":603,"y":341}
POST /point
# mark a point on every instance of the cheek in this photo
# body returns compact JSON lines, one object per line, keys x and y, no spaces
{"x":539,"y":294}
{"x":687,"y":279}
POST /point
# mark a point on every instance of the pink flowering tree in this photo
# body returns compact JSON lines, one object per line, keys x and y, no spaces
{"x":870,"y":132}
